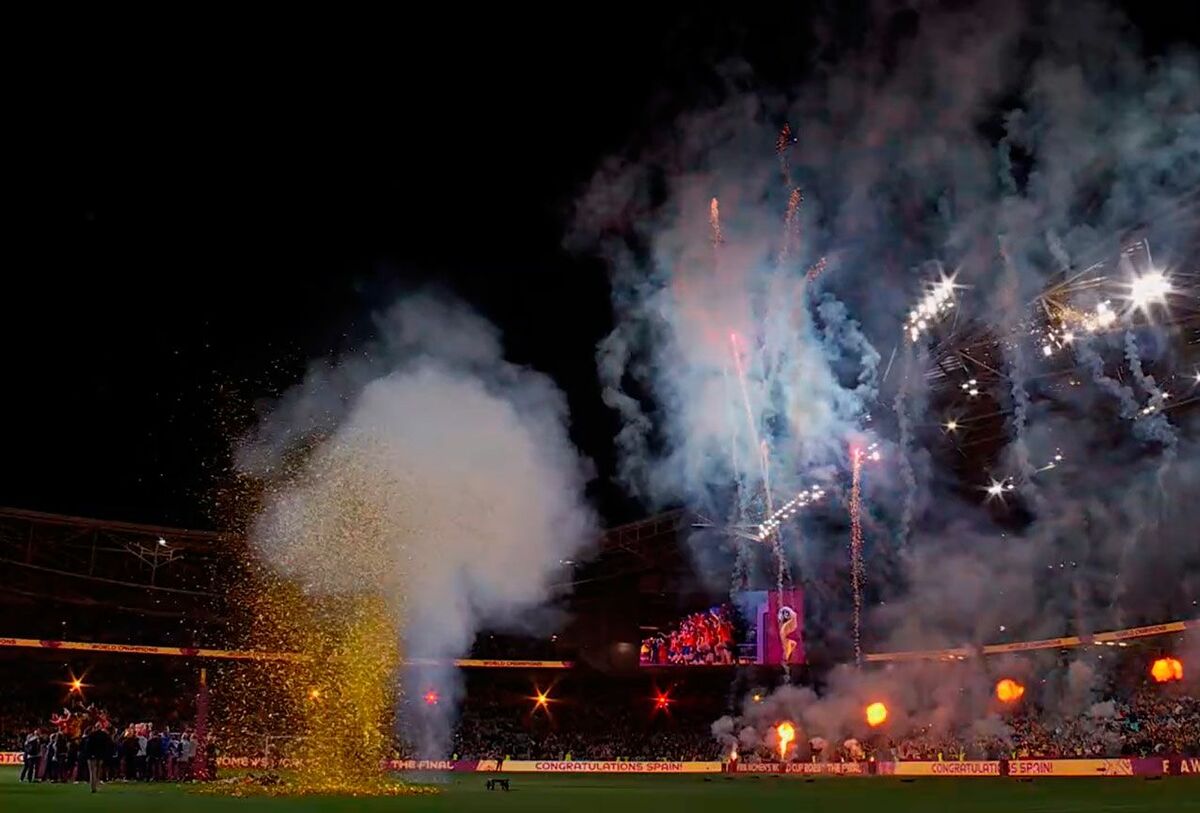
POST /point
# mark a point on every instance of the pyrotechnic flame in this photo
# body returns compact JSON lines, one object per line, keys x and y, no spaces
{"x":786,"y":733}
{"x":1009,"y":691}
{"x":877,"y":714}
{"x":1165,"y":670}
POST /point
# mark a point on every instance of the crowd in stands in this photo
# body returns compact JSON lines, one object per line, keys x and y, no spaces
{"x":588,"y":716}
{"x":497,"y":646}
{"x":580,"y":729}
{"x":1148,"y":722}
{"x":702,"y":639}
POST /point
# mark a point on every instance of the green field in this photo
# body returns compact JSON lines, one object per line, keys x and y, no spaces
{"x":663,"y":794}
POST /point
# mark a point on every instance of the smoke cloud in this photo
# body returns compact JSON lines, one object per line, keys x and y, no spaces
{"x":1012,"y":144}
{"x":434,"y":473}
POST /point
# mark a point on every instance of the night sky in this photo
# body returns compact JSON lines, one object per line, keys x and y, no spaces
{"x":195,"y":209}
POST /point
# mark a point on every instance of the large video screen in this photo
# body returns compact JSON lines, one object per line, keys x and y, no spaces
{"x":757,"y":627}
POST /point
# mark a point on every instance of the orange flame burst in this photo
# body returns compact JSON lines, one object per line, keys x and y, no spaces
{"x":1165,"y":670}
{"x":1009,"y":691}
{"x":786,"y":733}
{"x":877,"y":714}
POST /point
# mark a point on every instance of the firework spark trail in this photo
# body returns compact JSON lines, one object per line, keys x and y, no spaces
{"x":751,"y":424}
{"x":740,"y":510}
{"x":1150,"y":424}
{"x":783,"y":143}
{"x":816,"y":270}
{"x":887,"y":370}
{"x":741,"y":567}
{"x":1152,"y":413}
{"x":733,"y":434}
{"x":1151,"y":427}
{"x":714,"y":223}
{"x":782,"y":574}
{"x":856,"y":548}
{"x":781,"y":567}
{"x":906,"y":469}
{"x":791,"y":227}
{"x":1095,"y":364}
{"x":1020,"y":415}
{"x":1146,"y":382}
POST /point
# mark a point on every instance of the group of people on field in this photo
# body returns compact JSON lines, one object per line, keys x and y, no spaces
{"x":96,"y":753}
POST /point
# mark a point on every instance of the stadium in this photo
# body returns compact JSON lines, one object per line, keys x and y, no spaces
{"x":586,"y":700}
{"x":700,"y":409}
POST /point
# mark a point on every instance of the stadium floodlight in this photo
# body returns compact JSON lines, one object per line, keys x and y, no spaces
{"x":1149,"y":289}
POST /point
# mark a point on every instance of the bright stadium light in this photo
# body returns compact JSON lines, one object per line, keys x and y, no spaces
{"x":1149,"y":289}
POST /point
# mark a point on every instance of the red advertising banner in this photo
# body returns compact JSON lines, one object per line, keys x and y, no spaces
{"x":439,"y":765}
{"x":1022,"y":768}
{"x":585,"y":766}
{"x":973,"y":768}
{"x":452,"y":765}
{"x":1185,"y":765}
{"x":1070,"y":767}
{"x":802,"y":768}
{"x":252,"y":655}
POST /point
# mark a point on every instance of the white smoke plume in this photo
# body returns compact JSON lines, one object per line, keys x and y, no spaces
{"x":1012,"y":142}
{"x":438,"y":475}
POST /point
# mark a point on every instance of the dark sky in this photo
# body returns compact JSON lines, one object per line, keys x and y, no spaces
{"x":194,"y":219}
{"x":197,"y":208}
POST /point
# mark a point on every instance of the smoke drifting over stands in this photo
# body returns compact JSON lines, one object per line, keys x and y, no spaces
{"x":1035,"y":170}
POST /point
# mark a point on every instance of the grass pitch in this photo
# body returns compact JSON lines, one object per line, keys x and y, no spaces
{"x":653,"y":794}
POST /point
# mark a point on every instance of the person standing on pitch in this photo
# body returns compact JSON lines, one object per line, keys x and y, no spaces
{"x":96,"y":746}
{"x":33,"y":750}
